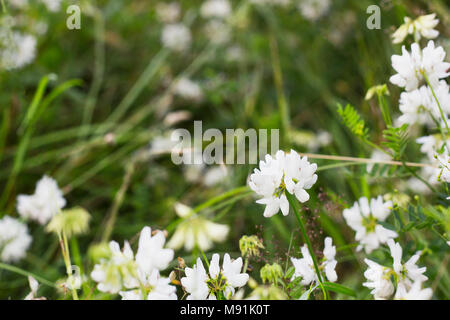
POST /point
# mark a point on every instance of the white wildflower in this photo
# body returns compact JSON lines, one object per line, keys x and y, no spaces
{"x":415,"y":293}
{"x":34,"y":286}
{"x":139,"y":274}
{"x":14,"y":239}
{"x":407,"y":277}
{"x":279,"y":174}
{"x":46,"y":201}
{"x":220,"y":282}
{"x":196,"y":230}
{"x":304,"y":267}
{"x":20,"y":50}
{"x":412,"y":66}
{"x":188,"y":89}
{"x":420,"y":27}
{"x":150,"y":254}
{"x":364,"y":218}
{"x":420,"y":106}
{"x":215,"y":175}
{"x":215,"y":9}
{"x":153,"y":287}
{"x":314,"y":9}
{"x":378,"y":279}
{"x":176,"y":36}
{"x":52,"y":5}
{"x":116,"y":272}
{"x":195,"y":281}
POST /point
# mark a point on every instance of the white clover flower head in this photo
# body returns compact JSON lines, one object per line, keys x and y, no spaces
{"x":176,"y":36}
{"x":195,"y":281}
{"x":52,"y":5}
{"x":314,"y":9}
{"x":423,"y":26}
{"x":416,"y":292}
{"x":45,"y":203}
{"x":188,"y":89}
{"x":408,"y":277}
{"x":407,"y":272}
{"x":304,"y":267}
{"x":14,"y":239}
{"x":412,"y":66}
{"x":378,"y":279}
{"x":150,"y":254}
{"x":220,"y":9}
{"x":152,"y":287}
{"x":116,"y":272}
{"x":138,"y":274}
{"x":196,"y":230}
{"x":364,"y":218}
{"x":420,"y":106}
{"x":20,"y":50}
{"x":219,"y":281}
{"x":34,"y":286}
{"x":279,"y":174}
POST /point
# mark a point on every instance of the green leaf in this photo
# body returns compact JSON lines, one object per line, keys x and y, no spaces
{"x":339,"y":289}
{"x":353,"y":121}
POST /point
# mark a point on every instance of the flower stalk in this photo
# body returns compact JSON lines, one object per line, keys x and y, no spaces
{"x":293,"y":203}
{"x":66,"y":255}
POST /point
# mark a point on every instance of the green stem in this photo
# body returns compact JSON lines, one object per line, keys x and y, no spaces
{"x":278,"y":78}
{"x":66,"y":255}
{"x":245,"y":264}
{"x":5,"y":10}
{"x":384,"y":109}
{"x":437,"y":101}
{"x":25,"y":273}
{"x":293,"y":203}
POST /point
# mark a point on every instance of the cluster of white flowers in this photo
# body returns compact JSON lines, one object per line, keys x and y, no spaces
{"x":14,"y":239}
{"x":412,"y":66}
{"x":426,"y":100}
{"x":314,"y":9}
{"x":423,"y":26}
{"x":436,"y":151}
{"x":137,"y":277}
{"x":176,"y":36}
{"x":220,"y":9}
{"x":196,"y":231}
{"x":188,"y":89}
{"x":220,"y":282}
{"x":420,"y":106}
{"x":52,"y":5}
{"x":276,"y":175}
{"x":408,"y":277}
{"x":46,"y":201}
{"x":304,"y":267}
{"x":364,"y":218}
{"x":18,"y":50}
